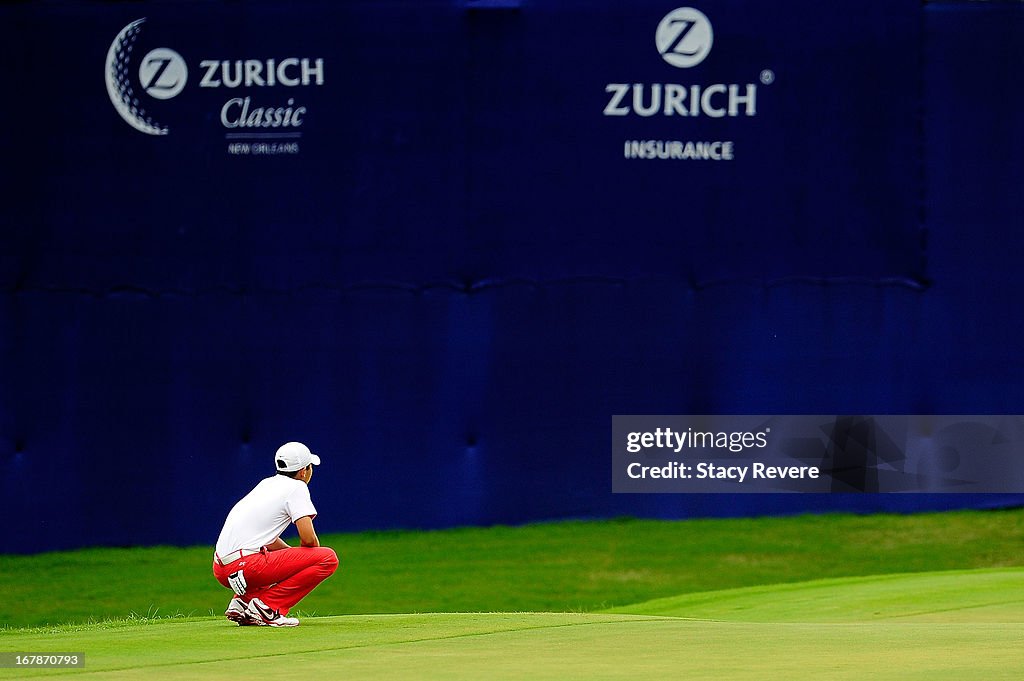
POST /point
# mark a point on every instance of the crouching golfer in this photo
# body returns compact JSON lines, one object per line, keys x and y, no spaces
{"x":268,"y":576}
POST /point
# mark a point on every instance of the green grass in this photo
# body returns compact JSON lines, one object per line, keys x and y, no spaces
{"x":959,"y":625}
{"x":981,"y":596}
{"x":555,"y":567}
{"x":934,"y":596}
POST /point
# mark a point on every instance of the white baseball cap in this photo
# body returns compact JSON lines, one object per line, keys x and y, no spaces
{"x":294,"y":456}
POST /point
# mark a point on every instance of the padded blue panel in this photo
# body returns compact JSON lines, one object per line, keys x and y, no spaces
{"x":460,"y":278}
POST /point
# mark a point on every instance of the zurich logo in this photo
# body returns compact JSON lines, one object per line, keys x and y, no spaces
{"x":162,"y":74}
{"x":684,"y":37}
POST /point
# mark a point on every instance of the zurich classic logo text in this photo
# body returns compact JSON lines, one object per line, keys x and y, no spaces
{"x":684,"y":37}
{"x":141,"y":76}
{"x":162,"y":74}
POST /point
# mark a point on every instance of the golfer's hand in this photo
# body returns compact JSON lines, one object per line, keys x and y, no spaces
{"x":237,"y":582}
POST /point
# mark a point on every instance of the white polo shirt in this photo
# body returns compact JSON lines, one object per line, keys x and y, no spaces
{"x":264,"y":513}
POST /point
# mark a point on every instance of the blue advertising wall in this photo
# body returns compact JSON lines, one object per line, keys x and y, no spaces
{"x":486,"y":228}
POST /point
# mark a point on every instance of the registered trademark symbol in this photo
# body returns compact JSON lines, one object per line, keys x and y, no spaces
{"x":767,"y":76}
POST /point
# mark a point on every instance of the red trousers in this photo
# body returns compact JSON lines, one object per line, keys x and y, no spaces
{"x":281,"y":578}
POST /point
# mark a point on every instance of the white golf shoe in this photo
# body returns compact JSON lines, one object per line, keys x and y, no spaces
{"x":238,"y":612}
{"x":263,"y":615}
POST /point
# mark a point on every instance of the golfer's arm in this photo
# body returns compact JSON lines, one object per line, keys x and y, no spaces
{"x":277,"y":545}
{"x":307,"y":535}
